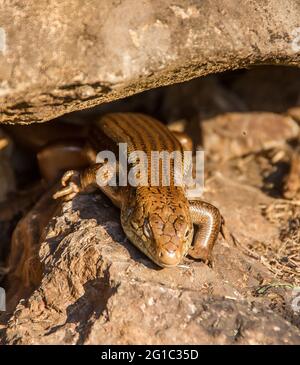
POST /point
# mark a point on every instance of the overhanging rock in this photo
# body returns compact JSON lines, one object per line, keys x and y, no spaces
{"x":58,"y":57}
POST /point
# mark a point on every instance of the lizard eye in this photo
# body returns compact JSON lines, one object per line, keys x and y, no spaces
{"x":187,"y":233}
{"x":147,"y":229}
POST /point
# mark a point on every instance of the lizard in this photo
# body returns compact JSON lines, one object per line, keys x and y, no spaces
{"x":159,"y":220}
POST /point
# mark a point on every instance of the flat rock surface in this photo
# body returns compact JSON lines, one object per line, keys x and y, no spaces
{"x":57,"y":57}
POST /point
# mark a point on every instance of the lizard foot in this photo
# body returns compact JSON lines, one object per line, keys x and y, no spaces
{"x":71,"y":185}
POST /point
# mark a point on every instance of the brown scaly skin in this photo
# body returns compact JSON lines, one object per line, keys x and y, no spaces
{"x":157,"y":220}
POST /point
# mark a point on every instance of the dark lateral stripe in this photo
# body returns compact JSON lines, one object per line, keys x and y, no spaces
{"x":141,"y":143}
{"x":165,"y":142}
{"x":145,"y":133}
{"x":142,"y":133}
{"x":148,"y":138}
{"x":168,"y":141}
{"x":142,"y":136}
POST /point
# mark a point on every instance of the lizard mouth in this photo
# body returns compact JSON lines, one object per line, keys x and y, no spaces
{"x":167,"y":258}
{"x":162,"y":259}
{"x":164,"y":265}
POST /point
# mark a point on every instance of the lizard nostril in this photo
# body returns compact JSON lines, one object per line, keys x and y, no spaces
{"x":187,"y":233}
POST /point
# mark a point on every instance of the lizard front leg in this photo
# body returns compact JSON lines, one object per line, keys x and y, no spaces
{"x":74,"y":182}
{"x":208,"y":220}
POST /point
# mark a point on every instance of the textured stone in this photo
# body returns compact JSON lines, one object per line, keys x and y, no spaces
{"x":238,"y":134}
{"x":89,"y":285}
{"x":57,"y":57}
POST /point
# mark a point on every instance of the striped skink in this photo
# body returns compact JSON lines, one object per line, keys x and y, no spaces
{"x":158,"y":220}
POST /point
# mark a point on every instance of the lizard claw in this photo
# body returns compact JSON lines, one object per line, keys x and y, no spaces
{"x":71,"y":186}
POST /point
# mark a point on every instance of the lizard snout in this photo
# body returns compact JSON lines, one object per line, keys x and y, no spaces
{"x":169,"y":256}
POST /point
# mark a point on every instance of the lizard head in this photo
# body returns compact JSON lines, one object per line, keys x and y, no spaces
{"x":159,"y":224}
